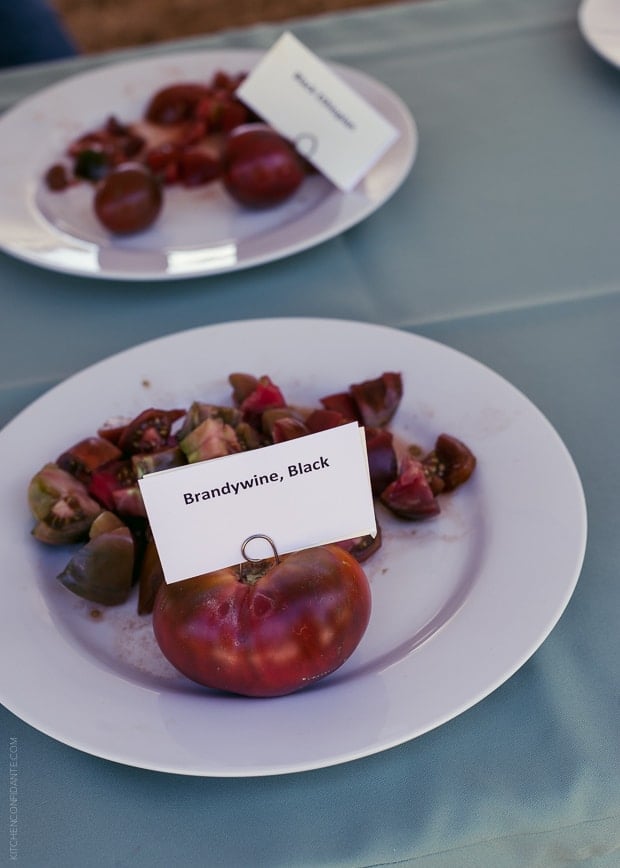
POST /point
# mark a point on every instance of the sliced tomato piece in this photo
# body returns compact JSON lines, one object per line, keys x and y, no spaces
{"x":410,"y":495}
{"x":288,"y":428}
{"x":175,"y":103}
{"x":101,"y":570}
{"x":362,"y":547}
{"x":86,"y":456}
{"x":322,"y":420}
{"x":213,"y":438}
{"x":112,"y":477}
{"x":150,"y":577}
{"x":113,"y":428}
{"x":382,"y":460}
{"x":155,"y":461}
{"x":149,"y":431}
{"x":197,"y":168}
{"x":377,"y":400}
{"x":128,"y":502}
{"x":265,"y":396}
{"x":62,"y":506}
{"x":449,"y":465}
{"x":343,"y":403}
{"x":242,"y":385}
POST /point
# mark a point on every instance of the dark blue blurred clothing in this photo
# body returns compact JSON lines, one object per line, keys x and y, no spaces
{"x":30,"y":32}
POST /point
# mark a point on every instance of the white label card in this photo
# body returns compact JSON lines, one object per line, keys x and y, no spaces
{"x":338,"y":131}
{"x":300,"y":493}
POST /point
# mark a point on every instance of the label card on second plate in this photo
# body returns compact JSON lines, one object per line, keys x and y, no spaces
{"x":331,"y":125}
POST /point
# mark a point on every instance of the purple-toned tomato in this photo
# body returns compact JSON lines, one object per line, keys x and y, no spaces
{"x":175,"y":103}
{"x":129,"y":199}
{"x":260,"y":167}
{"x":268,"y":629}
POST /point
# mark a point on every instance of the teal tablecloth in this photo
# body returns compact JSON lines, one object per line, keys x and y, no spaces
{"x":503,"y":243}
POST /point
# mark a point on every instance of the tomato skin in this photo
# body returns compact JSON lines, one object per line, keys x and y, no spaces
{"x":149,"y":431}
{"x":129,"y":199}
{"x":297,"y":623}
{"x":260,"y":168}
{"x":449,"y":465}
{"x":175,"y":103}
{"x":410,"y":495}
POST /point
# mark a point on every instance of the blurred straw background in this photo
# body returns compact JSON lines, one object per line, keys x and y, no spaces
{"x":101,"y":25}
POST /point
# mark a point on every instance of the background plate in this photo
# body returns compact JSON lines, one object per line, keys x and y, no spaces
{"x":459,"y":602}
{"x":200,"y":231}
{"x":599,"y":22}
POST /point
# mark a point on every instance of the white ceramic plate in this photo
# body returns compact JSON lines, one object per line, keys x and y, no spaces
{"x":200,"y":231}
{"x":459,"y":602}
{"x":599,"y":22}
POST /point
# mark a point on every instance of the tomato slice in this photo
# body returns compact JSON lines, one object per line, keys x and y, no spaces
{"x":149,"y":431}
{"x":323,"y":420}
{"x":265,"y":396}
{"x":112,"y":477}
{"x":377,"y":400}
{"x":86,"y":456}
{"x":362,"y":547}
{"x":410,"y":495}
{"x":343,"y":403}
{"x":449,"y":465}
{"x":288,"y":428}
{"x":382,"y":460}
{"x":175,"y":103}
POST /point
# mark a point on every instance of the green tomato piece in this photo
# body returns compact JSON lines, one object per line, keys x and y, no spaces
{"x":102,"y":570}
{"x":62,"y":505}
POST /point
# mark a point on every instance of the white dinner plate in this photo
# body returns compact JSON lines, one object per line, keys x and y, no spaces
{"x":200,"y":231}
{"x":599,"y":22}
{"x":460,"y":602}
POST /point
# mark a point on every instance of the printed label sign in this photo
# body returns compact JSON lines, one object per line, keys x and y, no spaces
{"x":338,"y":131}
{"x":300,"y":493}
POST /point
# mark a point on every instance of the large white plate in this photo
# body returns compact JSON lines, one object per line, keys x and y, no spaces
{"x":459,"y":602}
{"x":201,"y":231}
{"x":599,"y":22}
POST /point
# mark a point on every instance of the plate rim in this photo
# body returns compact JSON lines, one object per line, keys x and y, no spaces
{"x":360,"y":206}
{"x":589,"y":27}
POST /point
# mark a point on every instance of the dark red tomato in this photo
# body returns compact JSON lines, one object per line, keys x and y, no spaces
{"x":163,"y":161}
{"x":268,"y":635}
{"x":410,"y":494}
{"x":322,"y":420}
{"x":109,"y":479}
{"x":449,"y":465}
{"x":266,"y":395}
{"x":261,"y":169}
{"x":149,"y":431}
{"x":363,"y":547}
{"x":382,"y":460}
{"x":83,"y":458}
{"x":175,"y":103}
{"x":129,"y":199}
{"x":57,"y":178}
{"x":378,"y":400}
{"x":197,"y":168}
{"x":343,"y":403}
{"x":287,"y":428}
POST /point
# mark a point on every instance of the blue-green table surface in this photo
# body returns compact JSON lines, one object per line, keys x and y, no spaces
{"x":504,"y":243}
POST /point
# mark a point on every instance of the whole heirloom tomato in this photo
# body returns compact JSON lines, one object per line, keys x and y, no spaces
{"x":261,"y":168}
{"x":129,"y":199}
{"x":269,"y":634}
